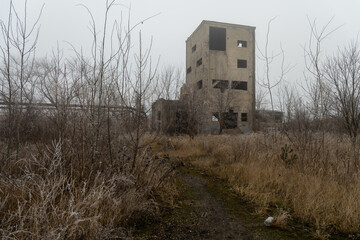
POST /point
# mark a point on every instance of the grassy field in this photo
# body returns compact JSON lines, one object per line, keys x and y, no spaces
{"x":301,"y":179}
{"x":49,"y":194}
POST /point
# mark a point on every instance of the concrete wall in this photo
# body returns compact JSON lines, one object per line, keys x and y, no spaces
{"x":222,"y":65}
{"x":166,"y":117}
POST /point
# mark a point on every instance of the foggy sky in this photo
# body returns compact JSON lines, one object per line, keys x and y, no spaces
{"x":63,"y":21}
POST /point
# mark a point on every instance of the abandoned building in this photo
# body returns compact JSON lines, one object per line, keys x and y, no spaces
{"x":220,"y":79}
{"x":267,"y":120}
{"x":169,"y":116}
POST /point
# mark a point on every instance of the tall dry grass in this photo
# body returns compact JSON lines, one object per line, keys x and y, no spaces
{"x":312,"y":187}
{"x":46,"y":195}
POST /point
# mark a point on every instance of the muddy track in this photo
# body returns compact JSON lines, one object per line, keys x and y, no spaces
{"x":210,"y":218}
{"x":209,"y":210}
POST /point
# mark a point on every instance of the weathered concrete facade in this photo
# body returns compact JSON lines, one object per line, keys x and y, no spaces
{"x":220,"y":62}
{"x":169,"y":117}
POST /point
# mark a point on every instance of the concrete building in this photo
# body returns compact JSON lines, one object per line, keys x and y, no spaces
{"x":268,"y":120}
{"x":169,"y":117}
{"x":220,"y":62}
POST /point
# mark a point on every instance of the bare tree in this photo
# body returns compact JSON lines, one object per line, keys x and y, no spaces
{"x":56,"y":89}
{"x":170,"y":81}
{"x":316,"y":88}
{"x":270,"y":81}
{"x":342,"y":73}
{"x":18,"y":53}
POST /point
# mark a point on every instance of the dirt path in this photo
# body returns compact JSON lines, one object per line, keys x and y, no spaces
{"x":210,"y":218}
{"x":210,"y":210}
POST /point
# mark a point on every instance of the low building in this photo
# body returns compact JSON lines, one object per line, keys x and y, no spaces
{"x":267,"y":120}
{"x":169,"y":117}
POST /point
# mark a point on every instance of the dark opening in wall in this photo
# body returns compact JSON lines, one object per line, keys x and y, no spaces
{"x":242,"y":44}
{"x":188,"y":70}
{"x":193,"y":49}
{"x":159,"y":115}
{"x":244,"y":117}
{"x":217,"y":39}
{"x":222,"y":84}
{"x":178,"y":124}
{"x":199,"y":62}
{"x":241,"y":63}
{"x":239,"y":85}
{"x":227,"y":119}
{"x":199,"y":84}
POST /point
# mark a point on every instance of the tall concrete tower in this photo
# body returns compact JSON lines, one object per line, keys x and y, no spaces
{"x":220,"y":62}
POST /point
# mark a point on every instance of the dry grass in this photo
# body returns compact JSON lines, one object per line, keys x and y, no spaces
{"x":44,"y":195}
{"x":316,"y":188}
{"x":281,"y":218}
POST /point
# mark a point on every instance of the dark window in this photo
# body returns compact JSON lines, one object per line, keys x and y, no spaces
{"x":241,"y":63}
{"x":199,"y":84}
{"x":199,"y":62}
{"x":222,"y":84}
{"x":242,"y":44}
{"x":193,"y":49}
{"x":159,"y":115}
{"x":188,"y":70}
{"x":244,"y":117}
{"x":217,"y":39}
{"x":239,"y":85}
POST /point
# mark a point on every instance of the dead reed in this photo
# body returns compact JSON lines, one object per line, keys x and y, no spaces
{"x":46,"y":195}
{"x":316,"y":186}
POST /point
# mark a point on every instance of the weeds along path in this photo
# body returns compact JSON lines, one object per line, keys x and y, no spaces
{"x":209,"y":210}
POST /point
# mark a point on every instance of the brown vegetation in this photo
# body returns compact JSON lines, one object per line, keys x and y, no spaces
{"x":48,"y":195}
{"x":269,"y":172}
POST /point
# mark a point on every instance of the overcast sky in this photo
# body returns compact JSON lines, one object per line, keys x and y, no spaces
{"x":64,"y":21}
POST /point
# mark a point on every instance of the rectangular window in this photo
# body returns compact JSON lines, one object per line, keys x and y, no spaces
{"x":217,"y":38}
{"x":159,"y":115}
{"x":244,"y":117}
{"x":241,"y":63}
{"x":193,"y":49}
{"x":199,"y":84}
{"x":241,"y":44}
{"x":188,"y":70}
{"x":239,"y":85}
{"x":199,"y":62}
{"x":222,"y":84}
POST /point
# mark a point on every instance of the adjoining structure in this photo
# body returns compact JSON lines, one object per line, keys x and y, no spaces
{"x":220,"y":77}
{"x":268,"y":120}
{"x":169,"y":116}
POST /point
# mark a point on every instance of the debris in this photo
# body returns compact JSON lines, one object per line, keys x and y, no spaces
{"x":268,"y":222}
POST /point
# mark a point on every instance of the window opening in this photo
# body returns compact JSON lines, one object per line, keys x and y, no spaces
{"x":193,"y":49}
{"x":188,"y":70}
{"x":199,"y":62}
{"x":239,"y":85}
{"x":244,"y":117}
{"x":242,"y":44}
{"x":217,"y":38}
{"x":241,"y":63}
{"x":228,"y":120}
{"x":222,"y":84}
{"x":199,"y":84}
